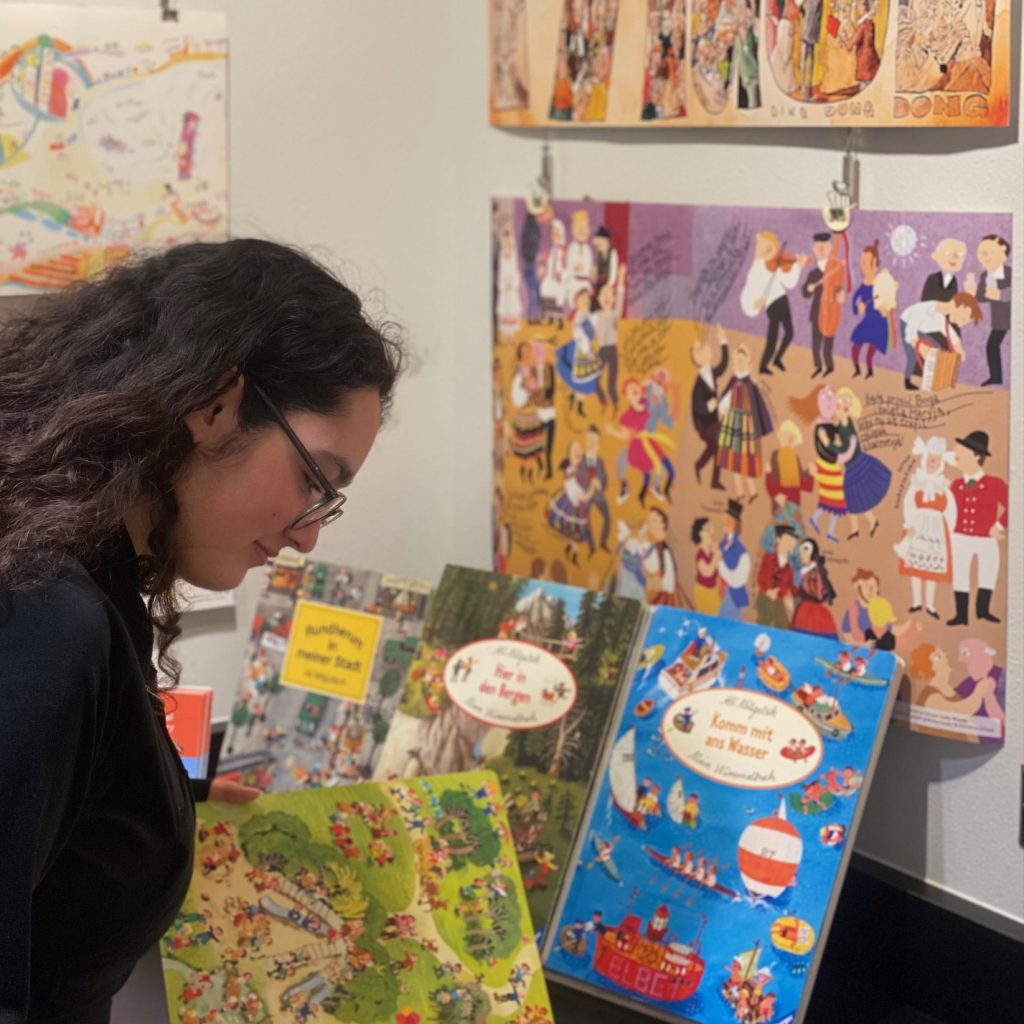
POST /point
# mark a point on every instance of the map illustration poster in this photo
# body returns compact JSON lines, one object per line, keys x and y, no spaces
{"x":113,"y":138}
{"x":739,"y":411}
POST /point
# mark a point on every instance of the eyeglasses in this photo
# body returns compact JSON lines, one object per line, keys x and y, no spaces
{"x":329,"y":507}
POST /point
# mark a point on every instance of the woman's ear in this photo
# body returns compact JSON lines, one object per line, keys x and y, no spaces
{"x":211,"y":424}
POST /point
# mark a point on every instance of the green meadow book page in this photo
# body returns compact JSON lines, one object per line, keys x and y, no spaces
{"x":375,"y":902}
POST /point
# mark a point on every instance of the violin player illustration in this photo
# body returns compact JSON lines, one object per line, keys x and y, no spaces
{"x":773,"y":273}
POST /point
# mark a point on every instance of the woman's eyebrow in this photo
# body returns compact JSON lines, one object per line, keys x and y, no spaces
{"x":344,"y":472}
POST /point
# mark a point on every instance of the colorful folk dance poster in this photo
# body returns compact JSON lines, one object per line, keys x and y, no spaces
{"x":738,"y":411}
{"x":845,"y":63}
{"x":113,"y":138}
{"x":400,"y":903}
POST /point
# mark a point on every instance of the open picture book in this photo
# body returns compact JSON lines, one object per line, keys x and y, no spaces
{"x":374,"y":902}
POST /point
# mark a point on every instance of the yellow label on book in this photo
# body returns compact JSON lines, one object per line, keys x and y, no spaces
{"x":331,"y":650}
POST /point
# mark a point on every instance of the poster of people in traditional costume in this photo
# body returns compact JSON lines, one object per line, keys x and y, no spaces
{"x":738,"y":411}
{"x":113,"y":138}
{"x":846,"y":63}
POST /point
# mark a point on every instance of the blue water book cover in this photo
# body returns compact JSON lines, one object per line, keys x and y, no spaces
{"x":712,"y":853}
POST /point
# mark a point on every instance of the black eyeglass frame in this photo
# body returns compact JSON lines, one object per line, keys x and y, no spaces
{"x":332,"y":500}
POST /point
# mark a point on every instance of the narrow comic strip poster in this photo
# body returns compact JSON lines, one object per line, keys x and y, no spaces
{"x":583,"y":60}
{"x":786,"y":63}
{"x":509,"y":82}
{"x":664,"y":93}
{"x":113,"y":137}
{"x":725,"y":55}
{"x":758,"y":418}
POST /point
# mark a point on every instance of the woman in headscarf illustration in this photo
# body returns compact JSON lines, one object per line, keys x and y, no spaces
{"x":929,"y":515}
{"x":555,"y":281}
{"x":510,"y":300}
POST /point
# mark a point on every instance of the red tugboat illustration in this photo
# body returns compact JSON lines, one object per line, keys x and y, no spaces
{"x":648,"y":962}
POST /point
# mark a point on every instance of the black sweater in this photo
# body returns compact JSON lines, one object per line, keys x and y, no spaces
{"x":96,"y":815}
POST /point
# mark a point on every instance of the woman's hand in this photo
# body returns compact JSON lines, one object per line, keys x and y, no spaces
{"x":228,"y":792}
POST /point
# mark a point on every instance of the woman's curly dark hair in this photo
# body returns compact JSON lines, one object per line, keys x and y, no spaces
{"x":95,"y":385}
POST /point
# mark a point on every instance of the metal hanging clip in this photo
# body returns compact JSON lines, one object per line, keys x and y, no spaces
{"x":844,"y":195}
{"x":538,"y":193}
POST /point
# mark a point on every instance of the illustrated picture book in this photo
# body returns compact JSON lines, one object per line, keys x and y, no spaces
{"x":674,"y":383}
{"x":322,"y":675}
{"x":398,"y":902}
{"x":711,"y":857}
{"x":520,"y":676}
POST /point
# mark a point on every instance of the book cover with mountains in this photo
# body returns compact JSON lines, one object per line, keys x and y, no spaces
{"x":520,"y":676}
{"x":322,"y":675}
{"x":713,"y":852}
{"x":398,"y":902}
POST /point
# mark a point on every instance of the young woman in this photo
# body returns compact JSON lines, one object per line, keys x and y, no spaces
{"x":183,"y":418}
{"x":929,"y":518}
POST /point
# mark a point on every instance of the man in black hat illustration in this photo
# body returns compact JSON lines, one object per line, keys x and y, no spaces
{"x":812,"y":288}
{"x":704,"y":402}
{"x":606,"y":265}
{"x":981,"y":514}
{"x":734,"y":568}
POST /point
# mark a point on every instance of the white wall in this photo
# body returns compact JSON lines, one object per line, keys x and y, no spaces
{"x":360,"y":126}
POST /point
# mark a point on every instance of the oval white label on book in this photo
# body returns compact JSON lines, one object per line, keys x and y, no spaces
{"x":742,"y":738}
{"x":510,"y":684}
